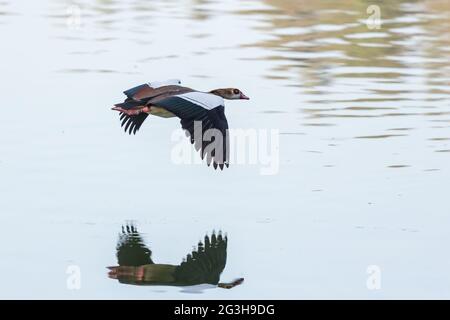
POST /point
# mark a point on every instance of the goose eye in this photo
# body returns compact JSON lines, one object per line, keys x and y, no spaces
{"x":235,"y":91}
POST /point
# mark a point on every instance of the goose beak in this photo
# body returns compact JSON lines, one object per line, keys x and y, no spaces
{"x":243,"y":96}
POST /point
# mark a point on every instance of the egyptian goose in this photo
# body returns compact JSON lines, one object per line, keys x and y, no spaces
{"x":169,"y":99}
{"x":203,"y":265}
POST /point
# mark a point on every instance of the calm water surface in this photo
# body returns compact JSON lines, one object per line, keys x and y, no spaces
{"x":364,"y":118}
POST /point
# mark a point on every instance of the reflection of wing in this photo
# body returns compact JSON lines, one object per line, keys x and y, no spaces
{"x":131,"y":250}
{"x":205,"y":264}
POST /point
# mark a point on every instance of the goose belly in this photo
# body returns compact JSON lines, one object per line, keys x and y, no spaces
{"x":161,"y":112}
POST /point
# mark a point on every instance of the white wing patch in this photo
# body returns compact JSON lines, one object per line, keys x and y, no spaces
{"x":158,"y":84}
{"x":205,"y":100}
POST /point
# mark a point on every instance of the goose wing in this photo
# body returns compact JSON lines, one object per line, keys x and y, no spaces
{"x":205,"y":264}
{"x":203,"y":117}
{"x":142,"y":95}
{"x":149,"y":89}
{"x":132,"y":124}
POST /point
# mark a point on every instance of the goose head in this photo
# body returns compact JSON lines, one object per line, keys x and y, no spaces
{"x":230,"y":94}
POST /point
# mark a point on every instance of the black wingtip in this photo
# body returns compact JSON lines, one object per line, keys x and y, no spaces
{"x":132,"y":124}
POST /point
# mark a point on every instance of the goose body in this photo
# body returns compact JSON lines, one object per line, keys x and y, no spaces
{"x":196,"y":109}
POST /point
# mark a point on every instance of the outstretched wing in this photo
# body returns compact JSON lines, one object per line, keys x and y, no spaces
{"x":147,"y":91}
{"x":205,"y":264}
{"x":132,"y":124}
{"x":203,"y":117}
{"x":131,"y":250}
{"x":142,"y":95}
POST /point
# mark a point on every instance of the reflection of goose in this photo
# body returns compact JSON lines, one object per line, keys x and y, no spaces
{"x":168,"y":99}
{"x":203,"y":266}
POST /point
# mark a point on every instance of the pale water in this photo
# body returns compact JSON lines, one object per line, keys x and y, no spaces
{"x":363,"y":112}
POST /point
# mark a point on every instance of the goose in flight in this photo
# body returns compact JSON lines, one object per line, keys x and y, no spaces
{"x":203,"y":266}
{"x":202,"y":114}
